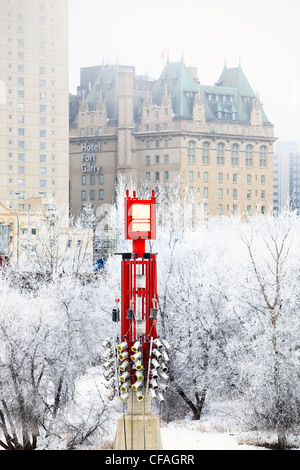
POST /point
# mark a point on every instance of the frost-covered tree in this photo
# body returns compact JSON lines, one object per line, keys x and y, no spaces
{"x":49,"y":338}
{"x":61,"y":242}
{"x":265,"y":292}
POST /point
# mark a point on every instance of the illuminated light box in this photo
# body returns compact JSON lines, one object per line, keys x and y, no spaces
{"x":140,"y":218}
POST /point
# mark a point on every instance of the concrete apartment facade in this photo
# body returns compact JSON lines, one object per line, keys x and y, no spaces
{"x":287,"y":176}
{"x":34,"y":108}
{"x":34,"y":128}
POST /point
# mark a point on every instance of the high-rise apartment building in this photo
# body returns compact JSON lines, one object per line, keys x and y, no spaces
{"x":287,"y":176}
{"x":34,"y":103}
{"x":217,"y":137}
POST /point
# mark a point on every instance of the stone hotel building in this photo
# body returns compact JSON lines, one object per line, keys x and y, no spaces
{"x":217,"y":137}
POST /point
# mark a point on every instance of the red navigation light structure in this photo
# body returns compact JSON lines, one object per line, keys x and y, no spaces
{"x":137,"y":364}
{"x":138,"y":272}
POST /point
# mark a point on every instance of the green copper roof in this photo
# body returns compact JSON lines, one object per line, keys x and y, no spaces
{"x":230,"y":99}
{"x":180,"y":86}
{"x":106,"y":84}
{"x":235,"y":78}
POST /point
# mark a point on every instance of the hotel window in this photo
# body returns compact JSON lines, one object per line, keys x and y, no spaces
{"x":101,"y":194}
{"x":220,"y":154}
{"x":157,"y":176}
{"x":21,"y":182}
{"x":248,"y":193}
{"x":234,"y":155}
{"x":205,"y":153}
{"x":166,"y":176}
{"x":234,"y":208}
{"x":21,"y":107}
{"x":101,"y":178}
{"x":82,"y":132}
{"x":42,"y":133}
{"x":205,"y":192}
{"x":83,"y":195}
{"x":234,"y":178}
{"x":21,"y":157}
{"x":262,"y":194}
{"x":191,"y":176}
{"x":21,"y":144}
{"x":148,"y":176}
{"x":220,"y":177}
{"x":21,"y":170}
{"x":43,"y":170}
{"x":205,"y":176}
{"x":220,"y":193}
{"x":263,"y":156}
{"x":220,"y":209}
{"x":156,"y":159}
{"x":148,"y":160}
{"x":100,"y":131}
{"x":248,"y":179}
{"x":42,"y":183}
{"x":21,"y":119}
{"x":92,"y":194}
{"x":92,"y":179}
{"x":263,"y":179}
{"x":248,"y":209}
{"x":234,"y":193}
{"x":249,"y":155}
{"x":166,"y":158}
{"x":191,"y":152}
{"x":166,"y":142}
{"x":83,"y":180}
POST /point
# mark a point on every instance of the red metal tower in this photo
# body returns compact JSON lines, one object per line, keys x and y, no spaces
{"x":140,"y":358}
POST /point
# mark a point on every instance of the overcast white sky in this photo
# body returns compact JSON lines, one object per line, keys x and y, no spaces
{"x":263,"y":34}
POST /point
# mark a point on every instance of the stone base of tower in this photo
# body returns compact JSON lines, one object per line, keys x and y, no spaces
{"x":138,"y":429}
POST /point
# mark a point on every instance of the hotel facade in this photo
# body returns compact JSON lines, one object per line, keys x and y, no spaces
{"x":216,"y":137}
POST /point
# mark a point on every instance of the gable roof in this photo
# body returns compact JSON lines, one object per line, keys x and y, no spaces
{"x":181,"y":87}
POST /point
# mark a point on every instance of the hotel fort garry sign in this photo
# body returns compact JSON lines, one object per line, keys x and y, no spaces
{"x":89,"y":157}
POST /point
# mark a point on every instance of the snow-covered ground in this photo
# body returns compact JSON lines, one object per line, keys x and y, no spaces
{"x":191,"y":435}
